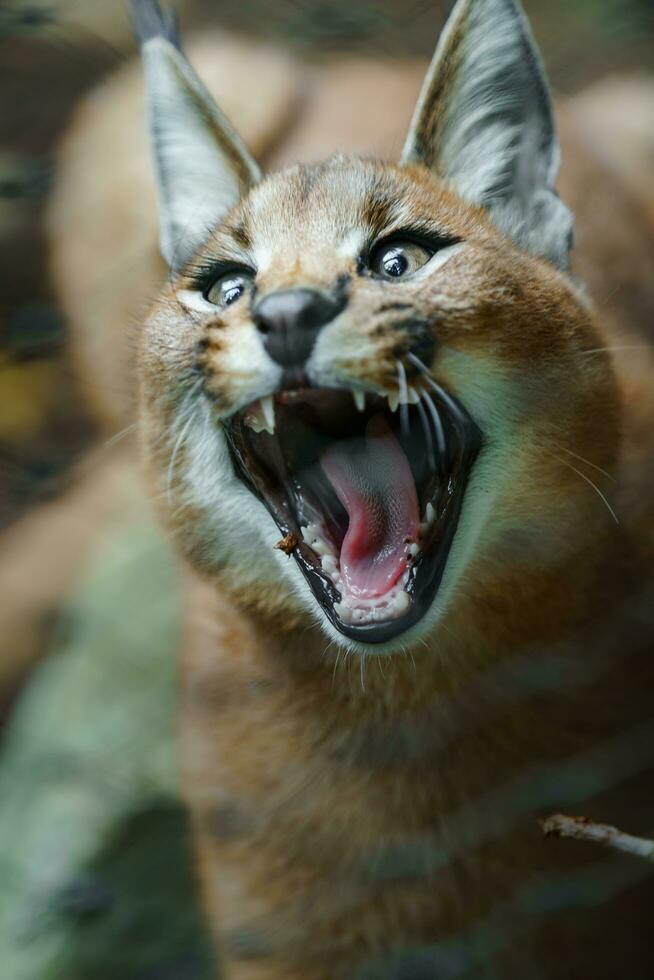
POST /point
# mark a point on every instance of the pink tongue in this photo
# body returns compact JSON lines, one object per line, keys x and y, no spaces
{"x":373,"y":481}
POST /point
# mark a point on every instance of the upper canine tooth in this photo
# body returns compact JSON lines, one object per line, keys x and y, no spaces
{"x":393,"y":400}
{"x":268,"y":409}
{"x":359,"y":399}
{"x":430,"y":513}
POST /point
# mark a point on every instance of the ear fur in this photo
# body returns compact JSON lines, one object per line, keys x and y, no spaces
{"x":202,"y":165}
{"x":484,"y":122}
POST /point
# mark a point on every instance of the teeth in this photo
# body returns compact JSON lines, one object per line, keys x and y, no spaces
{"x":401,"y":603}
{"x":310,"y":532}
{"x":393,"y":400}
{"x":312,"y":536}
{"x":268,"y":410}
{"x":329,"y":565}
{"x":430,"y":517}
{"x":321,"y":547}
{"x":414,"y":549}
{"x":359,"y":399}
{"x":412,"y":396}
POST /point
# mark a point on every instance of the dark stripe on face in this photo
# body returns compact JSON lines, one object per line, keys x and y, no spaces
{"x":378,"y":209}
{"x":241,"y":234}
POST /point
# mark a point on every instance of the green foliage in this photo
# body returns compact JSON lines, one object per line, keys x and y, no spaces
{"x":94,"y":861}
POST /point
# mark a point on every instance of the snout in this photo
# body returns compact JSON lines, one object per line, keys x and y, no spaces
{"x":290,"y":320}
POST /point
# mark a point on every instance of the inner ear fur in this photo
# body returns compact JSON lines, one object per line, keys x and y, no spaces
{"x":202,"y":166}
{"x":485,"y":123}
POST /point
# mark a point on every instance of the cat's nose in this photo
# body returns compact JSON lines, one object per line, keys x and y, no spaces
{"x":290,"y":320}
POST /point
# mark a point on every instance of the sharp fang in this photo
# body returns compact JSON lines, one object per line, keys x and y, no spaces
{"x":359,"y":399}
{"x":393,"y":400}
{"x":430,"y":513}
{"x":414,"y":549}
{"x":268,"y":410}
{"x":412,"y":396}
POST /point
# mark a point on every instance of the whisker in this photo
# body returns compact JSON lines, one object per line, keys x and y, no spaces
{"x":438,"y":425}
{"x":404,"y":399}
{"x":582,"y":459}
{"x":591,"y":484}
{"x":424,"y":370}
{"x":428,"y":433}
{"x":601,"y":350}
{"x":112,"y":440}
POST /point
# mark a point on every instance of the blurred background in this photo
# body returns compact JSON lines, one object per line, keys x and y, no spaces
{"x":79,"y":835}
{"x":52,"y":53}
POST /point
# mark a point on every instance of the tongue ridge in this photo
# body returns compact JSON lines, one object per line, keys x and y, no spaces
{"x":372,"y":478}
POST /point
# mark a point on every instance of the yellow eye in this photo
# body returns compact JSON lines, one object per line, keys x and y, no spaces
{"x":229,"y":287}
{"x":396,"y":260}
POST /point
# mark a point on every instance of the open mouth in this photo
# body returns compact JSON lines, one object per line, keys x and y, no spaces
{"x":366,"y":493}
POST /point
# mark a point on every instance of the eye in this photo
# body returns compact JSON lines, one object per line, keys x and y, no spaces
{"x":229,"y":287}
{"x":396,"y":260}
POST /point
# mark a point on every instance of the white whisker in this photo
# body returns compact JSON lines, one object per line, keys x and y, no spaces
{"x":591,"y":484}
{"x":404,"y":398}
{"x":582,"y":459}
{"x":424,"y":370}
{"x":602,"y":350}
{"x":428,"y":433}
{"x":120,"y":435}
{"x":438,"y":425}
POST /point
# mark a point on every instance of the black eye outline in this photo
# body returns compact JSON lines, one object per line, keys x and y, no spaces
{"x":429,"y":241}
{"x":224,"y":275}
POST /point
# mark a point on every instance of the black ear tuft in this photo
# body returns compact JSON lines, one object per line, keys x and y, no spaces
{"x":150,"y":20}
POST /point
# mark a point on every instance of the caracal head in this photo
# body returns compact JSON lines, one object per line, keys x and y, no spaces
{"x":367,"y":391}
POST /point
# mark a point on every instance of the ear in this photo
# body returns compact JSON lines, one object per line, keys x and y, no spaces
{"x":202,"y":166}
{"x":484,"y":122}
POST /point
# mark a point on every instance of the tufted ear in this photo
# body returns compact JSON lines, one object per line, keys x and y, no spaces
{"x":484,"y":122}
{"x":202,"y":166}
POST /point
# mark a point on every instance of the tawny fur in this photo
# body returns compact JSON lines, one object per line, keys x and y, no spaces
{"x":345,"y":810}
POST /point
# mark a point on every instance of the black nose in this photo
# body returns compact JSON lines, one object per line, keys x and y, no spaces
{"x":290,"y":321}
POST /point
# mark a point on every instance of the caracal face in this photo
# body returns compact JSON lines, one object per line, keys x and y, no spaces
{"x":373,"y":383}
